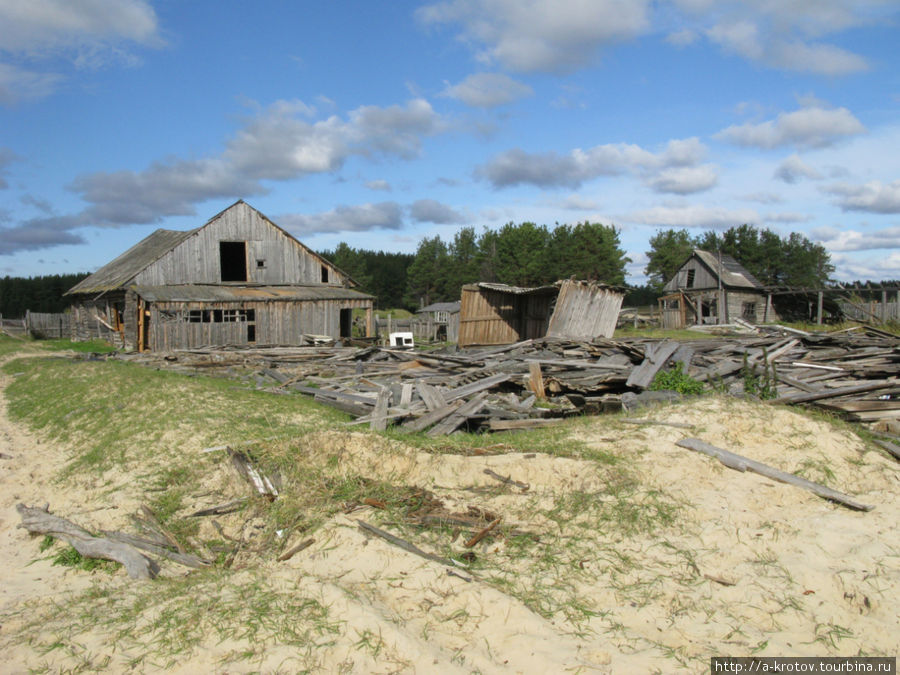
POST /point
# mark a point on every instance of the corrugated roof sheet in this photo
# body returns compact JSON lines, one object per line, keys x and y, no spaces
{"x":121,"y":270}
{"x":516,"y":290}
{"x":240,"y":293}
{"x":732,"y":272}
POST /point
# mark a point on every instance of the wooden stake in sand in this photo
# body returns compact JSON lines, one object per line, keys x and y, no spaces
{"x":740,"y":463}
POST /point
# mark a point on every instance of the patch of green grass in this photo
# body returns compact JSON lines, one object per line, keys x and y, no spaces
{"x":95,"y":346}
{"x":675,"y":379}
{"x":68,"y":556}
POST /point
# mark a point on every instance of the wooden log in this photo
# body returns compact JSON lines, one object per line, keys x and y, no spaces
{"x":740,"y":463}
{"x":891,"y":448}
{"x":40,"y":521}
{"x":290,"y":553}
{"x":431,"y":396}
{"x":480,"y":385}
{"x":481,"y":534}
{"x":181,"y":558}
{"x":507,"y":480}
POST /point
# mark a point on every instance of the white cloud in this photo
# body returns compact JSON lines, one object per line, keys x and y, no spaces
{"x":873,"y":197}
{"x":540,"y":35}
{"x":851,"y":267}
{"x":792,"y":169}
{"x":361,"y":218}
{"x":835,"y":239}
{"x":550,"y":169}
{"x":488,"y":90}
{"x":813,"y":127}
{"x":431,"y":211}
{"x":684,"y":180}
{"x":381,"y":185}
{"x":84,"y":33}
{"x":693,"y":216}
{"x":785,"y":35}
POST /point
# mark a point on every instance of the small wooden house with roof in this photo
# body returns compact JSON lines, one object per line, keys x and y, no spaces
{"x":237,"y":280}
{"x":713,"y":288}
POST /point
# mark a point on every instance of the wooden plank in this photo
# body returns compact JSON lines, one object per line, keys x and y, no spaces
{"x":475,"y":387}
{"x":433,"y":398}
{"x":531,"y":423}
{"x":432,"y":417}
{"x":536,"y":380}
{"x":655,"y":358}
{"x":406,"y":393}
{"x":453,"y":422}
{"x":379,"y":421}
{"x":740,"y":463}
{"x":889,"y":385}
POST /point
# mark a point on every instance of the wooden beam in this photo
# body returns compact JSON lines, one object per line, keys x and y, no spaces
{"x":740,"y":463}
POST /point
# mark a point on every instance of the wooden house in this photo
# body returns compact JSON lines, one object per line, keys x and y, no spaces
{"x":712,"y":288}
{"x":237,"y":280}
{"x":438,"y":322}
{"x":492,"y":314}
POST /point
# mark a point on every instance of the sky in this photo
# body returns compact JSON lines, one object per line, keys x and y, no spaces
{"x":381,"y":123}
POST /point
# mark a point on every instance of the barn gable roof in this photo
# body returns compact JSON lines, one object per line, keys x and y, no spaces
{"x":722,"y":266}
{"x":121,"y":270}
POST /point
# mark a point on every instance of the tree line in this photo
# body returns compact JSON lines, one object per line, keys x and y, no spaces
{"x":38,"y":294}
{"x":524,"y":254}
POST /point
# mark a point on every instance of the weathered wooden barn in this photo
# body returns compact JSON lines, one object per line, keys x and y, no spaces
{"x":237,"y":280}
{"x":493,"y":314}
{"x":711,"y":288}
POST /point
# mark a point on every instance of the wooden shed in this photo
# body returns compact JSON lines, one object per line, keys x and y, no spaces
{"x":237,"y":280}
{"x":492,"y":314}
{"x":438,"y":322}
{"x":711,"y":288}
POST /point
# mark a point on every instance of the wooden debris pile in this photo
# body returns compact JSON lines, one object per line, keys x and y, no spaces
{"x":537,"y":383}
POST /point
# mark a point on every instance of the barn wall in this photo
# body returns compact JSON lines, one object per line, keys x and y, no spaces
{"x":491,"y":317}
{"x":274,"y":323}
{"x":101,"y":318}
{"x":196,"y":260}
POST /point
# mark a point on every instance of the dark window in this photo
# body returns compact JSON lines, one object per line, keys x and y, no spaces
{"x":250,"y":314}
{"x":233,"y":260}
{"x":690,"y":278}
{"x":260,"y":263}
{"x":748,"y":311}
{"x":251,"y":333}
{"x":324,"y":274}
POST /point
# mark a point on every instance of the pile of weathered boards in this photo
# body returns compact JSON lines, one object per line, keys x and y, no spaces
{"x":540,"y":382}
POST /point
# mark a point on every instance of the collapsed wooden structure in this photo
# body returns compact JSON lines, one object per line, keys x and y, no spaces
{"x":494,"y":314}
{"x":237,"y":280}
{"x":539,"y":382}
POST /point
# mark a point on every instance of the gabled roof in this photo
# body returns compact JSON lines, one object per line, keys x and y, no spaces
{"x":121,"y":270}
{"x":729,"y":270}
{"x":441,"y":307}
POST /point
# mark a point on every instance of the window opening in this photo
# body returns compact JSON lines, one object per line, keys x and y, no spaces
{"x":324,"y":274}
{"x":251,"y":333}
{"x":690,"y":278}
{"x":233,"y":260}
{"x":260,"y":263}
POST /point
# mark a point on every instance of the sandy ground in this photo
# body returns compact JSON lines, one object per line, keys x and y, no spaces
{"x":747,"y":566}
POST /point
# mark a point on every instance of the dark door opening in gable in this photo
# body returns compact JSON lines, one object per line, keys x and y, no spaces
{"x":233,"y":260}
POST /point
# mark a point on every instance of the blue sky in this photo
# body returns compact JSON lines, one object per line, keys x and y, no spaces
{"x":380,"y":123}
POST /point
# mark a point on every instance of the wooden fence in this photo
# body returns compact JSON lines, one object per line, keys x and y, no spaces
{"x":871,"y":312}
{"x":46,"y":326}
{"x":12,"y":326}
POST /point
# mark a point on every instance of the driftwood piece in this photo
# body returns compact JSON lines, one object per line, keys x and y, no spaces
{"x":641,"y":422}
{"x":740,"y":463}
{"x":507,"y":480}
{"x":151,"y":518}
{"x":185,"y":559}
{"x":228,"y":507}
{"x":481,"y":534}
{"x":379,"y":415}
{"x":402,"y":543}
{"x":892,"y":448}
{"x":290,"y":553}
{"x":263,"y":485}
{"x":40,"y":521}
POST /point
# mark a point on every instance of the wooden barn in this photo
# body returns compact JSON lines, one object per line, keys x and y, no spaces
{"x":237,"y":280}
{"x":493,"y":314}
{"x":711,"y":288}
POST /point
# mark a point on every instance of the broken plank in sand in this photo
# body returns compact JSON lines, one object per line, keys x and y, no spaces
{"x":453,"y":422}
{"x":655,"y":358}
{"x":740,"y":463}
